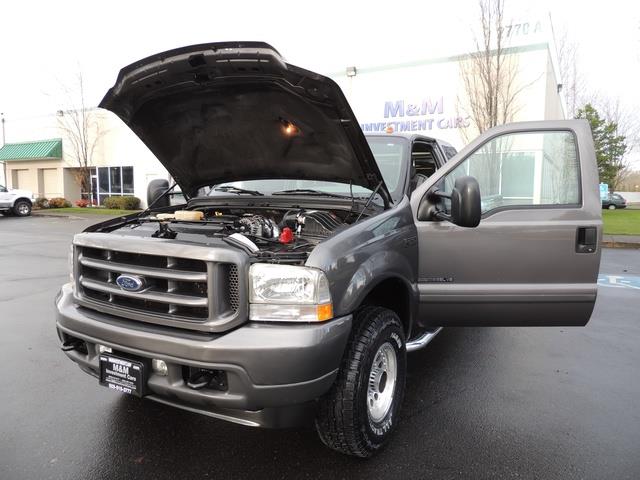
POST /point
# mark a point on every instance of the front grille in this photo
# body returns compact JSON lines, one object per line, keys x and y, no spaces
{"x":173,"y":287}
{"x":233,"y":290}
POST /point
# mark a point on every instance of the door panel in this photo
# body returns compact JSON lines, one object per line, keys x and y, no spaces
{"x":50,"y":182}
{"x":523,"y":265}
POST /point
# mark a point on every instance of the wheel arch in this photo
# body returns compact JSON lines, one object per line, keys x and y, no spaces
{"x":20,"y":199}
{"x":396,"y":294}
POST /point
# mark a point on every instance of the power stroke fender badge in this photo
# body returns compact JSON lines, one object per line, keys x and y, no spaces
{"x":130,"y":283}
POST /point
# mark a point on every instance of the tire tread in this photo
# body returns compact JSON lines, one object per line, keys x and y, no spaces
{"x":337,"y":423}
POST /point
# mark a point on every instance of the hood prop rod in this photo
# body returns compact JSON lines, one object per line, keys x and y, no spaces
{"x":371,"y":197}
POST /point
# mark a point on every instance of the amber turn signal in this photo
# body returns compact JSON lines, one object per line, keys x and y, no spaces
{"x":324,"y":312}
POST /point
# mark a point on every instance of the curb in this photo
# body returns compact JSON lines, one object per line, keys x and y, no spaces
{"x":72,"y":216}
{"x":614,"y":244}
{"x":59,"y":215}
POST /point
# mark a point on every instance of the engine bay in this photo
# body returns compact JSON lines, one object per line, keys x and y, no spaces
{"x":271,"y":234}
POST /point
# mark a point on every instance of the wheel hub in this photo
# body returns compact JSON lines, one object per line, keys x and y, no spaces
{"x":382,"y":382}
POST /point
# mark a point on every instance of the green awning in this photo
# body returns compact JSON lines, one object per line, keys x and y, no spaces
{"x":31,"y":150}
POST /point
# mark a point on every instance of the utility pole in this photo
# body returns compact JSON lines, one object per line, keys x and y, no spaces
{"x":4,"y":163}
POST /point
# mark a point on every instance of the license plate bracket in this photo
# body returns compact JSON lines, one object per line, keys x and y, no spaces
{"x":123,"y":375}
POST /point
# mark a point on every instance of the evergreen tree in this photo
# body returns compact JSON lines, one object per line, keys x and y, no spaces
{"x":609,"y":145}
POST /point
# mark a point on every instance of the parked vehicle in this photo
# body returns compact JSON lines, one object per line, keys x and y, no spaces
{"x":15,"y":202}
{"x":309,"y":259}
{"x":613,"y":201}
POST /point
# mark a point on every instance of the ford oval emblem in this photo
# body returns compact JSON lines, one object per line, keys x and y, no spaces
{"x":130,"y":283}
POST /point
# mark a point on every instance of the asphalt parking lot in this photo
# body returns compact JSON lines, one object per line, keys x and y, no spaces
{"x":480,"y":403}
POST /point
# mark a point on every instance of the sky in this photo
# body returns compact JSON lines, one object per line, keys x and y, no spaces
{"x":43,"y":45}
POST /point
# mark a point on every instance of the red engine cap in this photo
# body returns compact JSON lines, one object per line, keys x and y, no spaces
{"x":286,"y":235}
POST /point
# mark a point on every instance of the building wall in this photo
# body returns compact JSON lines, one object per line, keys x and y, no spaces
{"x":117,"y":146}
{"x":71,"y":187}
{"x":631,"y":197}
{"x":554,"y":107}
{"x":32,"y":177}
{"x":121,"y":147}
{"x":428,"y":97}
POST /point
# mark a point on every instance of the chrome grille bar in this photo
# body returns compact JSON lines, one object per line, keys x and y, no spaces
{"x":149,"y":295}
{"x":168,"y":274}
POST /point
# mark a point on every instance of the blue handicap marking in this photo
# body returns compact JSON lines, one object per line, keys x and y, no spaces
{"x":619,"y":281}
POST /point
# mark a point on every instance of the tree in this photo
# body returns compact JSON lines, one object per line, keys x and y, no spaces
{"x":573,"y":83}
{"x":81,"y":127}
{"x":490,"y":74}
{"x":610,"y":146}
{"x":628,"y":126}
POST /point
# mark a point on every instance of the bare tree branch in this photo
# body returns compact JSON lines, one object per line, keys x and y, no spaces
{"x":573,"y":83}
{"x":490,"y":75}
{"x":82,"y":131}
{"x":628,"y":126}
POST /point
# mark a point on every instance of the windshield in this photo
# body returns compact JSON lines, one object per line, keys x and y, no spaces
{"x":388,"y":152}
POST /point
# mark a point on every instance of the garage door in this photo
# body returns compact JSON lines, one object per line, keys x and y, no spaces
{"x":21,"y":179}
{"x":50,"y":182}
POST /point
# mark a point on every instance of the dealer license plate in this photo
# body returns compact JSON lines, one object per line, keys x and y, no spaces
{"x":122,"y":375}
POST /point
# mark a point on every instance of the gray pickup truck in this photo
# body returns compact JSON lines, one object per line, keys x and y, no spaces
{"x":309,"y":259}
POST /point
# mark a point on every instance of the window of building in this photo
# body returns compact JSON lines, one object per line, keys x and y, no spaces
{"x":115,"y":179}
{"x":109,"y":182}
{"x":127,"y":180}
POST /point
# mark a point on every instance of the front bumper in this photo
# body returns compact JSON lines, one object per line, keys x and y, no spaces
{"x":275,"y":372}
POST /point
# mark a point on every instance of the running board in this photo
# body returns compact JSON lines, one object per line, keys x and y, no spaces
{"x":422,"y":340}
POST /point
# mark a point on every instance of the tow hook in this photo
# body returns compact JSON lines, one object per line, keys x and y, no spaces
{"x":202,"y":378}
{"x":73,"y":344}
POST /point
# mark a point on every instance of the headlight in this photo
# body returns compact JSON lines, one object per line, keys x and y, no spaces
{"x":287,"y":293}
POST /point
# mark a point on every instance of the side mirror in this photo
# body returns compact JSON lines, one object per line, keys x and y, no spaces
{"x":154,"y":190}
{"x":466,"y":208}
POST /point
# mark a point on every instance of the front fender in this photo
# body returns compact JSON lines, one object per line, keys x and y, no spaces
{"x":376,"y":269}
{"x":367,"y":253}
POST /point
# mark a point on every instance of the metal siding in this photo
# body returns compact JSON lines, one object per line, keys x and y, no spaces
{"x":31,"y":150}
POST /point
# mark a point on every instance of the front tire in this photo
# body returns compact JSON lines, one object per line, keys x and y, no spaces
{"x":359,"y":413}
{"x":22,"y":208}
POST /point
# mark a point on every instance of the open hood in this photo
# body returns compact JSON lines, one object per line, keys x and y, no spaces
{"x":222,"y":112}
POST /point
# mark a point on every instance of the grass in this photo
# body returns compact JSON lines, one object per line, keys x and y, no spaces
{"x":90,"y":211}
{"x":621,"y":222}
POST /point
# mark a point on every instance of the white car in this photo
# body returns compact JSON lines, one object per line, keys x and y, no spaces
{"x":15,"y":201}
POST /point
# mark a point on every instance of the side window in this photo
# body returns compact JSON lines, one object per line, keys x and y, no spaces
{"x":3,"y":188}
{"x":524,"y":169}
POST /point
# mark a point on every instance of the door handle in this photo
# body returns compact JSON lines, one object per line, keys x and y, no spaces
{"x":586,"y":239}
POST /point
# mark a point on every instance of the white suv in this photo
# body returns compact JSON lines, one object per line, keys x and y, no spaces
{"x":16,"y":202}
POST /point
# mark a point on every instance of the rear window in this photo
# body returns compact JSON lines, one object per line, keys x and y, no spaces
{"x":449,"y":151}
{"x":388,"y":155}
